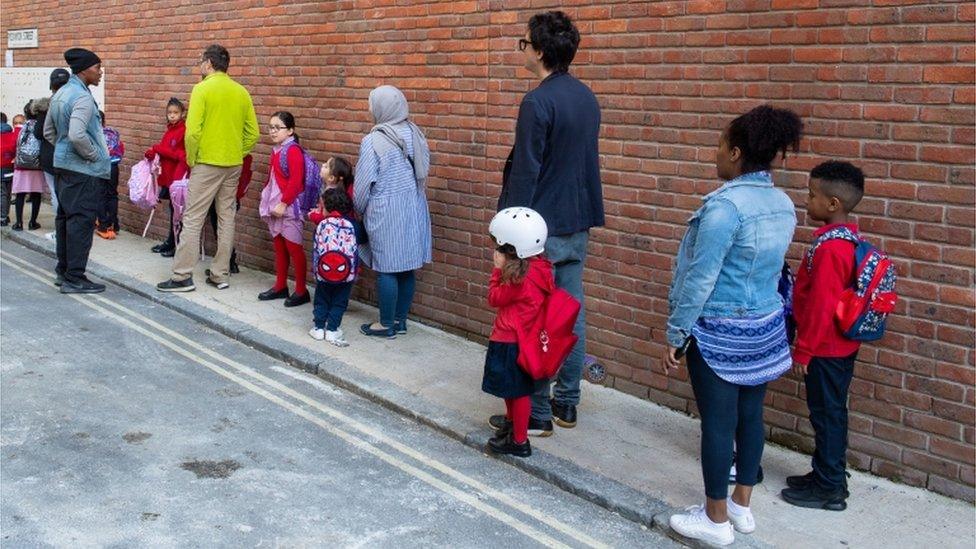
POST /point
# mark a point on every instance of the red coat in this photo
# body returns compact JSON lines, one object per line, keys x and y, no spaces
{"x":815,"y":298}
{"x":172,"y":154}
{"x":294,"y":184}
{"x":519,"y":304}
{"x":8,"y":150}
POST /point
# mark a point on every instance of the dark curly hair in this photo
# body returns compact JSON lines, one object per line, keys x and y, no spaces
{"x":336,"y":200}
{"x":175,"y":102}
{"x":218,"y":56}
{"x":554,"y":34}
{"x":342,"y":171}
{"x":762,"y":133}
{"x":842,"y":180}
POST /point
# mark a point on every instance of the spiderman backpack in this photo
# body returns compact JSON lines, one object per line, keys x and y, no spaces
{"x":864,"y":307}
{"x":334,"y":250}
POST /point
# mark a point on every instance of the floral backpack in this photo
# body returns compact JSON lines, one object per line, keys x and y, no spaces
{"x":863,"y":308}
{"x":334,"y":250}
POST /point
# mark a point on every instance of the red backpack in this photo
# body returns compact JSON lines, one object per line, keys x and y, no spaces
{"x":546,"y":342}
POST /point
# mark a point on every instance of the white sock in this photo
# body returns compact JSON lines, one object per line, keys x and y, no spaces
{"x":735,"y":507}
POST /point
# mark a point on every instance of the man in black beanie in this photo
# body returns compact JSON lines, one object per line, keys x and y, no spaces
{"x":81,"y":160}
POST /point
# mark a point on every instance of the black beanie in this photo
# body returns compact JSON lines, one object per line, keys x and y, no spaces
{"x":80,"y":59}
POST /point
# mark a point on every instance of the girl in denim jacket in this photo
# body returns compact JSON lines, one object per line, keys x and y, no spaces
{"x":726,"y":315}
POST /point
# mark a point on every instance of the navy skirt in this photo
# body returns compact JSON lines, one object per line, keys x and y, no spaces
{"x":504,"y":378}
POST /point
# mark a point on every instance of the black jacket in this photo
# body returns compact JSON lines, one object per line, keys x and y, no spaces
{"x":47,"y":149}
{"x":554,"y":166}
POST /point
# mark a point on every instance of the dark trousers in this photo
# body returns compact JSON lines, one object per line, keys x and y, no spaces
{"x":828,"y":380}
{"x":108,"y":214}
{"x":330,"y":303}
{"x":395,"y":296}
{"x":212,"y":218}
{"x":79,"y":198}
{"x":6,"y":183}
{"x":729,"y":412}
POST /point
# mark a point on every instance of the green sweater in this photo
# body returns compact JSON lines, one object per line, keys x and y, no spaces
{"x":221,"y":127}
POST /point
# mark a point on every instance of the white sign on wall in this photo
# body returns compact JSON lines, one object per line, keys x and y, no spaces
{"x":23,"y":38}
{"x":22,"y":84}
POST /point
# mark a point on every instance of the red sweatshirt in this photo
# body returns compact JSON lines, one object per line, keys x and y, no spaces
{"x":815,"y":298}
{"x":8,"y":150}
{"x":294,"y":184}
{"x":519,"y":304}
{"x":172,"y":154}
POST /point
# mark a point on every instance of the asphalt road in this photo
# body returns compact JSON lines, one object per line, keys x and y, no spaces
{"x":123,"y":423}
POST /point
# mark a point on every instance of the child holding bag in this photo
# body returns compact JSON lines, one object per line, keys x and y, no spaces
{"x":520,"y":282}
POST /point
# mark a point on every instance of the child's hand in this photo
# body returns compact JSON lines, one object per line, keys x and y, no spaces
{"x":499,"y":259}
{"x":799,"y":369}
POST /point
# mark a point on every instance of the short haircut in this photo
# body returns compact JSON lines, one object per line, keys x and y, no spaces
{"x":218,"y":56}
{"x":3,"y":118}
{"x":762,"y":133}
{"x":336,"y":200}
{"x":842,"y":180}
{"x":554,"y":34}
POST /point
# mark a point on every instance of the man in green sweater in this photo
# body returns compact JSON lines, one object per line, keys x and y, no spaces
{"x":221,"y":128}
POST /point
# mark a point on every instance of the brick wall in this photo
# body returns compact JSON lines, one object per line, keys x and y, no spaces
{"x":887,"y":84}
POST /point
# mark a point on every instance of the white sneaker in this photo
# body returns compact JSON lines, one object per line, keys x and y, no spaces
{"x":695,"y":524}
{"x":741,"y":517}
{"x":317,"y":333}
{"x":336,"y":338}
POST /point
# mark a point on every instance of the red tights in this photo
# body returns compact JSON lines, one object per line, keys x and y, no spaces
{"x":285,"y":249}
{"x":518,"y":410}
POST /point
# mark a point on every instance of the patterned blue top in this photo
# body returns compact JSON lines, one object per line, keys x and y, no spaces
{"x":393,"y":207}
{"x":745,"y":350}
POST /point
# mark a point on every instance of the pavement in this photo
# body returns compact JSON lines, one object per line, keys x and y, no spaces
{"x":627,"y":455}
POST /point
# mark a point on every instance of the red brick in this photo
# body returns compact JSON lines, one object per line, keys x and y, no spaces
{"x":931,"y":424}
{"x":950,"y":75}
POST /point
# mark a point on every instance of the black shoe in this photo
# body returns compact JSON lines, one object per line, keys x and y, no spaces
{"x":176,"y":285}
{"x":158,"y":248}
{"x":367,"y":329}
{"x":168,"y":252}
{"x":500,"y":424}
{"x":400,"y":326}
{"x":815,"y":497}
{"x":58,"y":280}
{"x":4,"y":222}
{"x":563,"y":414}
{"x":81,"y":287}
{"x":268,"y":295}
{"x":17,"y":226}
{"x":33,"y":226}
{"x":294,"y":300}
{"x":505,"y":445}
{"x":540,"y":428}
{"x":800,"y":482}
{"x":234,"y":269}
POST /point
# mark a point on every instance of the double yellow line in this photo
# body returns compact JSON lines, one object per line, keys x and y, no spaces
{"x":409,"y":460}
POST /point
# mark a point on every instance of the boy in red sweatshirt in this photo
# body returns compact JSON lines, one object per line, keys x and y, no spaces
{"x":821,"y":353}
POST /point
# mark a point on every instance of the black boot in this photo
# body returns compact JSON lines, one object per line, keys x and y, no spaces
{"x":505,"y":445}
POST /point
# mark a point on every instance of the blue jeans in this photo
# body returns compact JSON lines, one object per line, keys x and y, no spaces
{"x":395,"y":296}
{"x":728,"y":413}
{"x":827,"y":381}
{"x":330,"y":303}
{"x":567,"y":254}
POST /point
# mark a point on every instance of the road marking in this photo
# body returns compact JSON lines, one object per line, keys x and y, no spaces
{"x":26,"y":268}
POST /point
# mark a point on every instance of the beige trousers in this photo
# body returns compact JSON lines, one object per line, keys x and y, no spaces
{"x":208,"y":184}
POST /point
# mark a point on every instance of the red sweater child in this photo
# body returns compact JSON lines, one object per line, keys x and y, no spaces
{"x":815,"y":298}
{"x":519,"y":304}
{"x":172,"y":154}
{"x":294,"y":184}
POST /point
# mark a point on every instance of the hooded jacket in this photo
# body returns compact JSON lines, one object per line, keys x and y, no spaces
{"x":519,"y":304}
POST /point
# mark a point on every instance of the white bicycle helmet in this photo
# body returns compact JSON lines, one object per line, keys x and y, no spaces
{"x":523,"y":228}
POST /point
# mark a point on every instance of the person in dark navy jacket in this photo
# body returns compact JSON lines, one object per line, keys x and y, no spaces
{"x":554,"y":168}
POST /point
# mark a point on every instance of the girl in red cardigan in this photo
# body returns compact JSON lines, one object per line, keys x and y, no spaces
{"x":520,"y":281}
{"x":172,"y":164}
{"x":279,"y":211}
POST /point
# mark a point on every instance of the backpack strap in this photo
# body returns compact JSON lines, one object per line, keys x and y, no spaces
{"x":283,"y":157}
{"x":842,"y":233}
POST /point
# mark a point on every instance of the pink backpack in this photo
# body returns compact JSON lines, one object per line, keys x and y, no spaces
{"x":143,"y":191}
{"x":177,"y":197}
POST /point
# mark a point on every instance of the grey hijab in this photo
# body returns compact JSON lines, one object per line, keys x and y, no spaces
{"x":388,"y":106}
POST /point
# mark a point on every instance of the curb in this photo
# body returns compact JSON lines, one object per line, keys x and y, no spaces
{"x":628,"y":502}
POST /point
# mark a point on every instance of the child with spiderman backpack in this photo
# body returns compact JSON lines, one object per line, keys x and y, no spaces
{"x":533,"y":330}
{"x":844,"y":291}
{"x":294,"y":183}
{"x":334,"y":264}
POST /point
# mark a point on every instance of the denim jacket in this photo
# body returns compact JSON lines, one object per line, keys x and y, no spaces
{"x":731,"y":256}
{"x":84,"y":152}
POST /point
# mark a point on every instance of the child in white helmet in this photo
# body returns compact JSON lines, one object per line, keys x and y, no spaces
{"x":520,"y":281}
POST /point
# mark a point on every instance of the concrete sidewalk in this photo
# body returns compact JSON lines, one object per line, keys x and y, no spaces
{"x":626,"y":454}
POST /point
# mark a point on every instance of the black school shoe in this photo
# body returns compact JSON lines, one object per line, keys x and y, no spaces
{"x":804,"y":481}
{"x":815,"y":497}
{"x":268,"y":295}
{"x":168,"y":252}
{"x":176,"y":285}
{"x":540,"y":428}
{"x":501,"y":424}
{"x":294,"y":300}
{"x":563,"y":414}
{"x":505,"y":445}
